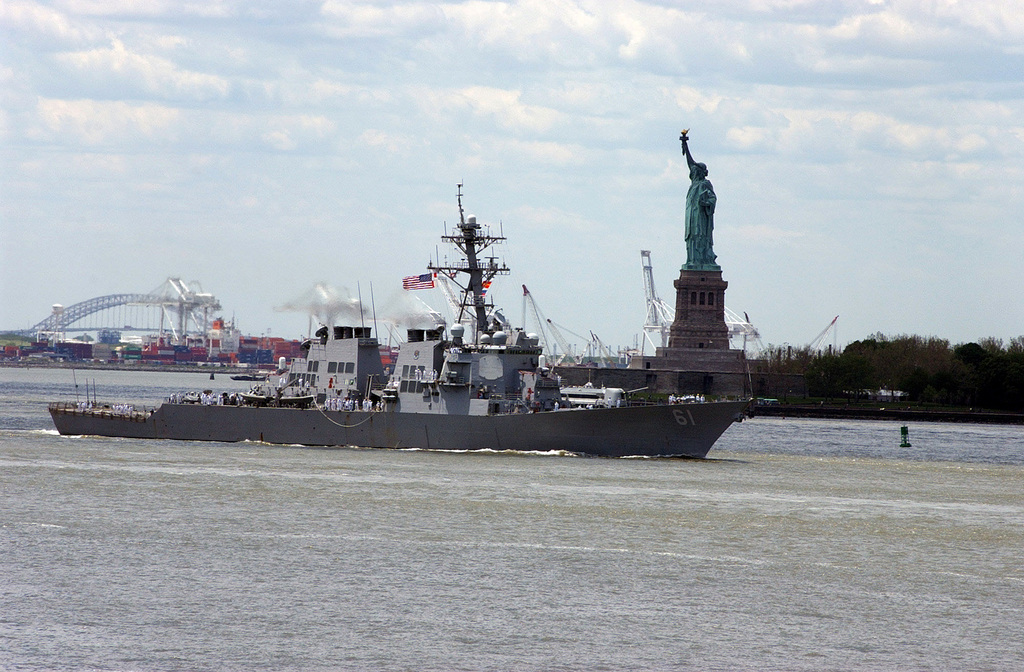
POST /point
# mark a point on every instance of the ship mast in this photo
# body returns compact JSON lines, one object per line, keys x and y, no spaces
{"x":472,"y":242}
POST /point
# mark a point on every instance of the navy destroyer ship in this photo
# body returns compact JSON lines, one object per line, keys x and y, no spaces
{"x":478,"y":385}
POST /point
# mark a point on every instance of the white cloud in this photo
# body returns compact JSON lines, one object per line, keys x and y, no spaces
{"x":530,"y":30}
{"x":748,"y":137}
{"x":279,"y":132}
{"x":280,"y":140}
{"x":391,"y":142}
{"x":552,"y":219}
{"x":322,"y":89}
{"x":169,"y":42}
{"x":999,"y":19}
{"x":34,"y":21}
{"x":637,"y":32}
{"x":361,"y":19}
{"x":885,"y":26}
{"x":94,"y":122}
{"x":504,"y":106}
{"x":153,"y":74}
{"x":543,"y":153}
{"x":148,"y":8}
{"x":690,"y":99}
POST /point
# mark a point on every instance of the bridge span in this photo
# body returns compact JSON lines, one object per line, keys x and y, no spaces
{"x":175,"y":306}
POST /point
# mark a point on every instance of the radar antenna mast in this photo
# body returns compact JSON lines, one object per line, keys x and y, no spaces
{"x":472,"y":241}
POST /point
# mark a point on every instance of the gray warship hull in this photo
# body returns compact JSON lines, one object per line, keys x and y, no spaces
{"x":682,"y":430}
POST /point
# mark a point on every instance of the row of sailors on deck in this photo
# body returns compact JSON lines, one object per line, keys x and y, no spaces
{"x":689,"y":398}
{"x":120,"y":409}
{"x":347,"y":404}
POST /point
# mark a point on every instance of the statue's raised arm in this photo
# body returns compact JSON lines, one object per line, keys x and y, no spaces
{"x":686,"y":148}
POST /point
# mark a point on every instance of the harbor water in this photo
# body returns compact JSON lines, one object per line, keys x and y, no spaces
{"x":798,"y":545}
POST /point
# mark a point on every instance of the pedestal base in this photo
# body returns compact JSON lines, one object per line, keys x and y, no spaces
{"x":700,"y":312}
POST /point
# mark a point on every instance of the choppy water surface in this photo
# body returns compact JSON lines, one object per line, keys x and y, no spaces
{"x":803,"y":545}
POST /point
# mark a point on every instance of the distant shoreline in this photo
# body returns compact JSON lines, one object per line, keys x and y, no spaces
{"x":886,"y":412}
{"x":140,"y":366}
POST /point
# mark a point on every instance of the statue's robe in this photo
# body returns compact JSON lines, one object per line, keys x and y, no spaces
{"x":700,"y":222}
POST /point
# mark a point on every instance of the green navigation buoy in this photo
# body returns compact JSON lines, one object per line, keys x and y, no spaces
{"x":905,"y":437}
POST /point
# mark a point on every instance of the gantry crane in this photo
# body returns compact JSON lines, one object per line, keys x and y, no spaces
{"x":659,"y":314}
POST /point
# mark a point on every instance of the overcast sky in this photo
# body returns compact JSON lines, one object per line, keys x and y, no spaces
{"x":868,"y":155}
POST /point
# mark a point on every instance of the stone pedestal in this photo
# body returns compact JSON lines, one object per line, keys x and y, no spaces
{"x":698,"y":345}
{"x":700,"y":312}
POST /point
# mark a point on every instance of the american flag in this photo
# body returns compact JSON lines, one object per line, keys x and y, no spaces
{"x":425,"y":281}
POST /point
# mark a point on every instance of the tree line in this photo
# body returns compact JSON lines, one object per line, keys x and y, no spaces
{"x":986,"y":374}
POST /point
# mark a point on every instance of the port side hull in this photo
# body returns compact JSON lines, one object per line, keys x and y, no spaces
{"x":687,"y":430}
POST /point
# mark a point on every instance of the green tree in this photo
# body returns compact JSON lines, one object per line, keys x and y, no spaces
{"x":832,"y":376}
{"x":915,"y":383}
{"x":858,"y":374}
{"x":824,"y":377}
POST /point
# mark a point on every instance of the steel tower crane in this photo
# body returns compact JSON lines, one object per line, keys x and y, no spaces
{"x":186,"y":302}
{"x":659,"y":314}
{"x":538,"y":318}
{"x":816,"y":343}
{"x":595,"y":346}
{"x":564,"y":344}
{"x":566,"y":355}
{"x":742,"y":330}
{"x":604,"y":352}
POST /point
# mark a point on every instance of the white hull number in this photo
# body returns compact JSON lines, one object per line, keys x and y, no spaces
{"x":683,"y":416}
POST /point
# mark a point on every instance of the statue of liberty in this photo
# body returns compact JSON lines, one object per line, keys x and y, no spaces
{"x":700,"y":216}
